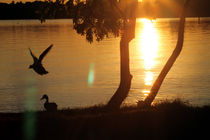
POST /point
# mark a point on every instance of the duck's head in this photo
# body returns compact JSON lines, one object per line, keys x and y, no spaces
{"x":44,"y":97}
{"x":31,"y":66}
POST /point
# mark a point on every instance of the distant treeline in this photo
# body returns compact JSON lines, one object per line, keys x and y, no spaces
{"x":36,"y":10}
{"x":148,"y":8}
{"x":19,"y":10}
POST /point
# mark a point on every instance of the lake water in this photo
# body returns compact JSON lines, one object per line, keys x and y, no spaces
{"x":83,"y":74}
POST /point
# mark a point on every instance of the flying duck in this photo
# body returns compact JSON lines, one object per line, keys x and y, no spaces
{"x":37,"y":65}
{"x":49,"y":106}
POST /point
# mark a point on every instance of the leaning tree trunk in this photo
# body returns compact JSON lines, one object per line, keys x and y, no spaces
{"x":156,"y":86}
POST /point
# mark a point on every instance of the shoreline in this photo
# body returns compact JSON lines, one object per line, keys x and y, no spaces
{"x":167,"y":120}
{"x":188,"y":17}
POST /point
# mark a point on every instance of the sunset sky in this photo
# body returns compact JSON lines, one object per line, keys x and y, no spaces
{"x":9,"y":1}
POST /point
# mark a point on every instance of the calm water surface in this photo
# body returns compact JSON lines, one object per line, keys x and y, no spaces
{"x":83,"y":74}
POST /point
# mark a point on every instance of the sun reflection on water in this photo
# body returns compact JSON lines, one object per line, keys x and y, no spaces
{"x":149,"y":44}
{"x":148,"y":78}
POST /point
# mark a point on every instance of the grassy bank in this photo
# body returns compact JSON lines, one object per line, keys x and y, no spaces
{"x":167,"y":120}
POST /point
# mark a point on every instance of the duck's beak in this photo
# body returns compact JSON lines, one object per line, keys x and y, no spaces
{"x":42,"y":98}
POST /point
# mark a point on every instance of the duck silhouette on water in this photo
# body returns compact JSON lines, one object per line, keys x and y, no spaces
{"x":37,"y":65}
{"x":50,"y":107}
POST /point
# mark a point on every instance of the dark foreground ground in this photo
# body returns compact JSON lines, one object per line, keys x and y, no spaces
{"x":165,"y":121}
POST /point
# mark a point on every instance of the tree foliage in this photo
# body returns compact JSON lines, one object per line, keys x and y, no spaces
{"x":96,"y":18}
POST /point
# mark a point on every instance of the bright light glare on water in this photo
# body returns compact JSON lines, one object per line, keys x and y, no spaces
{"x":149,"y":44}
{"x":148,"y":49}
{"x":149,"y":76}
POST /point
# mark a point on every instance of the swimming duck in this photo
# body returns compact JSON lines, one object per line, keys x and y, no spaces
{"x":37,"y":65}
{"x":49,"y":106}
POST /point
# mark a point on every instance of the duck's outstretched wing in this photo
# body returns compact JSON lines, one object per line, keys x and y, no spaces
{"x":34,"y":57}
{"x":45,"y":52}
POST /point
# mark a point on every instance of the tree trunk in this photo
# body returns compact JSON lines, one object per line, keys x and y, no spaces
{"x":128,"y":33}
{"x":156,"y":86}
{"x":125,"y":76}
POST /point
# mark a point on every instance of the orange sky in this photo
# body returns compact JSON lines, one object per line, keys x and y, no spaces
{"x":9,"y":1}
